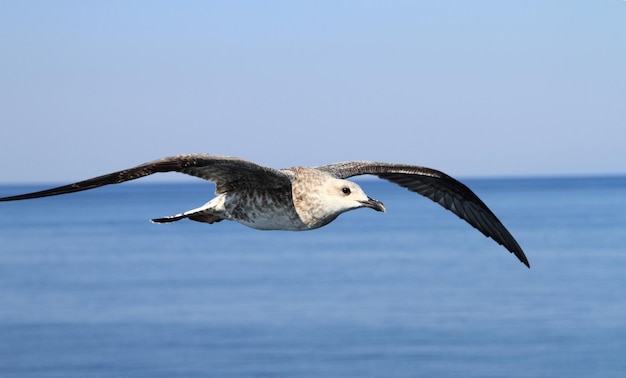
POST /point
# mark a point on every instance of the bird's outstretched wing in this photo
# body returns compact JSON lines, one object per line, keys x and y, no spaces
{"x":226,"y":172}
{"x":441,"y":188}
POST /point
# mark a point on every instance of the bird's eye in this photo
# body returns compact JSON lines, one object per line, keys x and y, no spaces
{"x":345,"y":190}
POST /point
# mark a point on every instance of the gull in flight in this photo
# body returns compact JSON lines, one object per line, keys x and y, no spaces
{"x":300,"y":198}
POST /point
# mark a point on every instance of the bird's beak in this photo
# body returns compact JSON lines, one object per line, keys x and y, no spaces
{"x":373,"y":204}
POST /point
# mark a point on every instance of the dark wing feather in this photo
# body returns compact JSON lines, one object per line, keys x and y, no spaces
{"x":226,"y":172}
{"x":441,"y":188}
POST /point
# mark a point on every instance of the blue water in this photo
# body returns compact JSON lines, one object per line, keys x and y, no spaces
{"x":90,"y":288}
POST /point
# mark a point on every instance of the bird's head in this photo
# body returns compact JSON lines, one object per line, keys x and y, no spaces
{"x":344,"y":195}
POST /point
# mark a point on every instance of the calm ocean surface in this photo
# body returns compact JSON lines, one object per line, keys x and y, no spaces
{"x":90,"y":288}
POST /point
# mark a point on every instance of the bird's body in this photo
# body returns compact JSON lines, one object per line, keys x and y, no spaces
{"x":299,"y":198}
{"x":302,"y":202}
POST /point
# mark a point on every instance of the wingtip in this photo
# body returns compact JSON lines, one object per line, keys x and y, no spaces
{"x":522,"y":257}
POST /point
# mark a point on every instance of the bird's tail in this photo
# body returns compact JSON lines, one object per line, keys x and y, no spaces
{"x":198,"y":216}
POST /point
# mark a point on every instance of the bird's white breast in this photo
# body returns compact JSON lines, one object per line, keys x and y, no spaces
{"x":264,"y":211}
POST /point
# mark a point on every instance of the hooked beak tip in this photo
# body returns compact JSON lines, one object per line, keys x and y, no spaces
{"x":374,"y":204}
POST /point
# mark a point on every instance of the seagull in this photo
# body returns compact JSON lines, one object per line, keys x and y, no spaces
{"x":299,"y":198}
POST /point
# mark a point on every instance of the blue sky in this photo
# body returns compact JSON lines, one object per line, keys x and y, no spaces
{"x":473,"y":88}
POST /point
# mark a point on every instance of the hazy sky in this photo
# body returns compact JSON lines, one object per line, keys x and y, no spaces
{"x":473,"y":88}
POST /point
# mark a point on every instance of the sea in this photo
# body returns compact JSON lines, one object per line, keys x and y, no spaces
{"x":90,"y":288}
